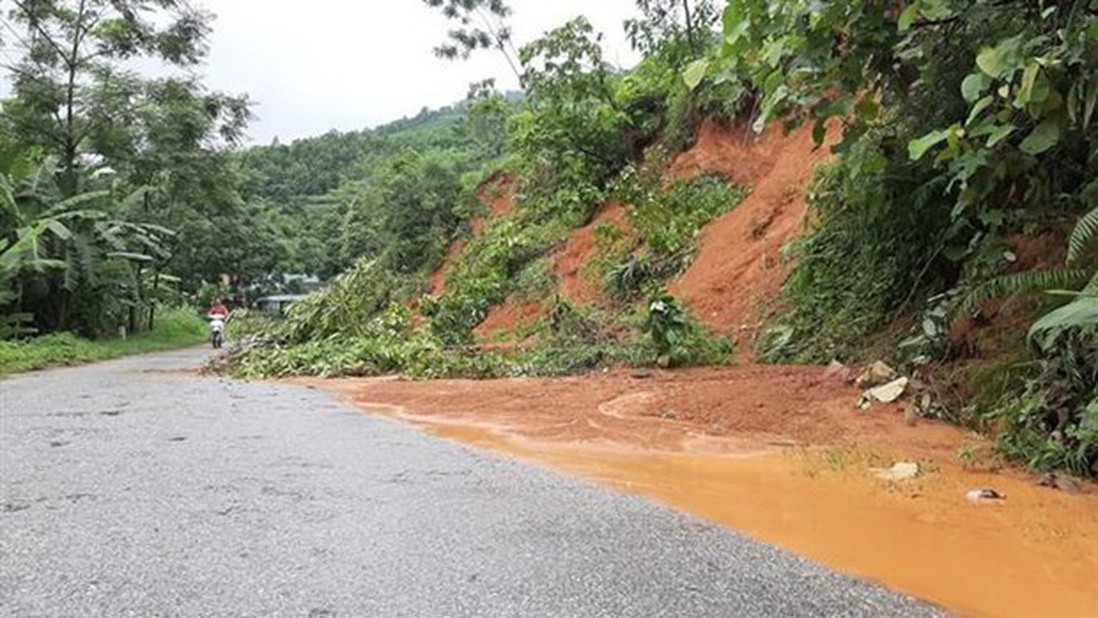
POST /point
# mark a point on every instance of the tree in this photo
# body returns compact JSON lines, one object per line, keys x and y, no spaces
{"x":573,"y":126}
{"x":69,"y":84}
{"x":666,"y":22}
{"x":486,"y":122}
{"x":567,"y":65}
{"x":160,"y":137}
{"x":53,"y":250}
{"x":483,"y":26}
{"x":404,"y":215}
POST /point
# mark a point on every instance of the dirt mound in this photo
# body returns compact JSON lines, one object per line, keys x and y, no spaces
{"x":579,"y":249}
{"x":739,"y":267}
{"x":509,"y":317}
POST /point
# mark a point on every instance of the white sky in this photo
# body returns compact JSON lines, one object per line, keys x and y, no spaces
{"x":350,"y":64}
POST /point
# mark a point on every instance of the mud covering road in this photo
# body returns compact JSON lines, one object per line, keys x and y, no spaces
{"x":133,"y":488}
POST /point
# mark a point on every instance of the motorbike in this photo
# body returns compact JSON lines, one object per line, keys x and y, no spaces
{"x":217,"y":330}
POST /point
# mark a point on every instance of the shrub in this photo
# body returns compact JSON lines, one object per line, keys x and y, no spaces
{"x":679,"y":340}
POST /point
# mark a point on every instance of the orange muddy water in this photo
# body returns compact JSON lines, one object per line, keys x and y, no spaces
{"x":801,"y":483}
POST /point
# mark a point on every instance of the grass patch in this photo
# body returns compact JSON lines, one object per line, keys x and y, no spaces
{"x":175,"y":328}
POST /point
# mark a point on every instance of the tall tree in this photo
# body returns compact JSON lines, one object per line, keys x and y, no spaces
{"x":77,"y":100}
{"x":483,"y":25}
{"x":573,"y":120}
{"x":669,"y":21}
{"x":70,"y":82}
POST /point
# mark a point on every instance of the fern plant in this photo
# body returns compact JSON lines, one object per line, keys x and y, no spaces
{"x":1052,"y":424}
{"x":1078,"y":280}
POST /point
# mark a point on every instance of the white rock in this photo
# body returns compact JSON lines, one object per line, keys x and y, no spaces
{"x":901,"y":471}
{"x":984,"y":495}
{"x":889,"y":392}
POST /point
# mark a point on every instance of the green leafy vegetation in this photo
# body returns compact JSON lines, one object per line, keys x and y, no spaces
{"x":360,"y":326}
{"x":117,"y":195}
{"x":680,"y":341}
{"x":336,"y":198}
{"x":175,"y":328}
{"x":668,"y":218}
{"x":121,"y":193}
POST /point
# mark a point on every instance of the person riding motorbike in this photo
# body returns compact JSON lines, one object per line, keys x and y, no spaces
{"x":217,"y":315}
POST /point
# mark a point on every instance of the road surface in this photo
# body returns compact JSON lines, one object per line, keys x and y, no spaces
{"x":131,"y":489}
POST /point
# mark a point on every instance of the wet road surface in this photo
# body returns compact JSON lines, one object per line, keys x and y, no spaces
{"x":127,"y":488}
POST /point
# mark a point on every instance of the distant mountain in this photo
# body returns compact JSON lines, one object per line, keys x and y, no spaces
{"x":288,"y":175}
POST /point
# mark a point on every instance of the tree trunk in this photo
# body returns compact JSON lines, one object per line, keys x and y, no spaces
{"x":139,"y":297}
{"x":70,"y":180}
{"x":152,"y":306}
{"x":690,"y":26}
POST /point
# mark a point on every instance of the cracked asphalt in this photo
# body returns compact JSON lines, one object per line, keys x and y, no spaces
{"x":130,"y":488}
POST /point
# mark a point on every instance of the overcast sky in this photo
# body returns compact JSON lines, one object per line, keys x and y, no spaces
{"x":351,"y":64}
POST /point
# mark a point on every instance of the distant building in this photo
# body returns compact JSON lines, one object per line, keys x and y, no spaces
{"x":303,"y":283}
{"x":278,"y":302}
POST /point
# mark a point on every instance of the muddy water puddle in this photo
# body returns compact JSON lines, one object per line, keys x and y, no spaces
{"x":1033,"y":554}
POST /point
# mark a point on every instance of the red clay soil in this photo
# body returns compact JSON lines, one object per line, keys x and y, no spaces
{"x":438,"y":278}
{"x":722,"y":409}
{"x":498,"y":192}
{"x":739,"y":267}
{"x":508,"y":317}
{"x":1043,"y":252}
{"x":578,"y":251}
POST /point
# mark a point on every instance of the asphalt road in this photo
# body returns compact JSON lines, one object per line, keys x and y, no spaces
{"x":130,"y":490}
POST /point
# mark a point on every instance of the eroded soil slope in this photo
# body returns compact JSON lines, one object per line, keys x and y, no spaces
{"x":498,"y":194}
{"x":580,"y":250}
{"x":739,"y":268}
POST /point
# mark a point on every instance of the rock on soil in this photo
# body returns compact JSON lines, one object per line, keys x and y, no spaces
{"x":875,"y":375}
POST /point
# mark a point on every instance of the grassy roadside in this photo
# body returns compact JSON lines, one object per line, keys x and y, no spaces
{"x":176,"y":328}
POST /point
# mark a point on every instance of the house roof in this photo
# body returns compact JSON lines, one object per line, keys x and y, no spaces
{"x":281,"y":298}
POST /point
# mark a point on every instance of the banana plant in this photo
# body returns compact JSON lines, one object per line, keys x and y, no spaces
{"x":64,"y":240}
{"x":20,"y":254}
